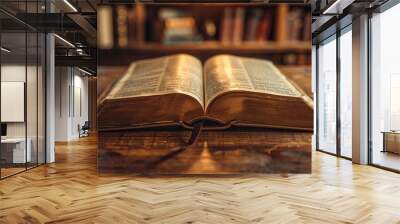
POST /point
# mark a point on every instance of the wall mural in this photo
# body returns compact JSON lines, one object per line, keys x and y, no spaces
{"x":204,"y":89}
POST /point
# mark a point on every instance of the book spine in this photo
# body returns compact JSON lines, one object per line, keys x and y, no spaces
{"x":265,"y":27}
{"x":105,"y":27}
{"x":140,"y":22}
{"x":238,"y":25}
{"x":131,"y":25}
{"x":252,"y":24}
{"x":295,"y":24}
{"x":281,"y":22}
{"x":122,"y":26}
{"x":226,"y":26}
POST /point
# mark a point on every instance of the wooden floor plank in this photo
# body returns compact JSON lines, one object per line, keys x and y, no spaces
{"x":71,"y":191}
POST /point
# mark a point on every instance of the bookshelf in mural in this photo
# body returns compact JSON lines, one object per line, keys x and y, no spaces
{"x":277,"y":30}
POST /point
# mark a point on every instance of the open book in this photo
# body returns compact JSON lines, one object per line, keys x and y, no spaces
{"x":228,"y":90}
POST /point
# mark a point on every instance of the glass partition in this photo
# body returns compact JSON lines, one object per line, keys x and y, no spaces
{"x":14,"y":153}
{"x":327,"y":96}
{"x":385,"y":89}
{"x":22,"y":77}
{"x":346,"y":93}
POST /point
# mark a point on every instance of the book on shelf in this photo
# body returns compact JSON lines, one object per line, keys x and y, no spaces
{"x":238,"y":25}
{"x":265,"y":27}
{"x":295,"y":24}
{"x":258,"y":25}
{"x":132,"y":25}
{"x":226,"y":91}
{"x":299,"y":25}
{"x":140,"y":18}
{"x":226,"y":26}
{"x":253,"y":23}
{"x":178,"y":26}
{"x":105,"y":24}
{"x":122,"y":26}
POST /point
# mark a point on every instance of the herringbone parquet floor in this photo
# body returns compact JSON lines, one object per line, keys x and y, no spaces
{"x":70,"y":191}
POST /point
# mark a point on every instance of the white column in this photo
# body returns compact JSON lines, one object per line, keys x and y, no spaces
{"x":50,"y":99}
{"x":360,"y":90}
{"x":62,"y":103}
{"x":50,"y":92}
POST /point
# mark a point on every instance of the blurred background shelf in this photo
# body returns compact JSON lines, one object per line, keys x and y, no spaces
{"x":280,"y":53}
{"x":277,"y":47}
{"x":280,"y":32}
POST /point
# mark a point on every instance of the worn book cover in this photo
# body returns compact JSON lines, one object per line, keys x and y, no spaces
{"x":228,"y":90}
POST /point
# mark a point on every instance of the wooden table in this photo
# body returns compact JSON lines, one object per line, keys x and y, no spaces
{"x":391,"y":141}
{"x":14,"y":151}
{"x":216,"y":152}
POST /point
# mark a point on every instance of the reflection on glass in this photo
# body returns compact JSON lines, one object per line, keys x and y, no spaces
{"x":346,"y":94}
{"x":327,"y":97}
{"x":385,"y":84}
{"x":22,"y":91}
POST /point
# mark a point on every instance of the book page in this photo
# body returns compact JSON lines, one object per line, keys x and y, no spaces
{"x":225,"y":73}
{"x":172,"y":74}
{"x":265,"y":77}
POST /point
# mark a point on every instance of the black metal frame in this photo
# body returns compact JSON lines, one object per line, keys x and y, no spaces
{"x":369,"y":90}
{"x":316,"y":105}
{"x":44,"y":70}
{"x":0,"y":90}
{"x":338,"y":98}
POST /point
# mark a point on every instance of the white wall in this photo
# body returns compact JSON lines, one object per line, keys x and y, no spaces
{"x":80,"y":110}
{"x":71,"y":102}
{"x":62,"y":81}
